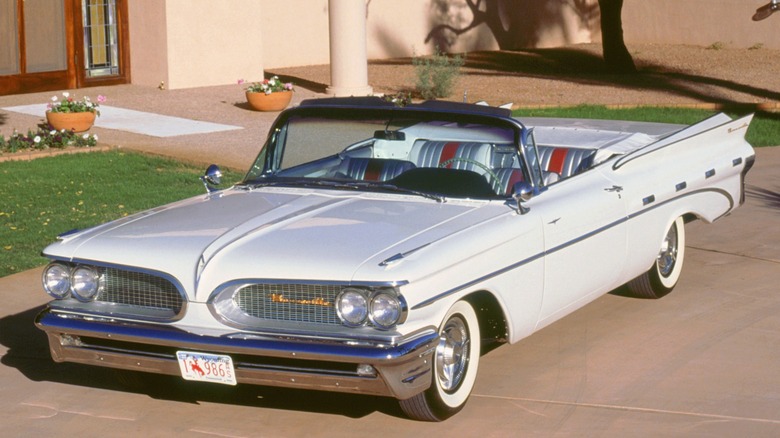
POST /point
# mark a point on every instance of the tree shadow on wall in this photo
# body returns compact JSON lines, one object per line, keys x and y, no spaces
{"x":514,"y":24}
{"x":520,"y":23}
{"x":585,"y":67}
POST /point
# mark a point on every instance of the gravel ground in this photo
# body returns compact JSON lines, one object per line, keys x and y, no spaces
{"x":669,"y":75}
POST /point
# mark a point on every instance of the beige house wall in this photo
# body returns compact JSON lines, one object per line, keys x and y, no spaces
{"x":295,"y":32}
{"x":148,"y":36}
{"x":195,"y":43}
{"x":699,"y":22}
{"x":191,"y":43}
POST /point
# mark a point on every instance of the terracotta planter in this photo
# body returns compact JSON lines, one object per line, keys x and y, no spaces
{"x":269,"y":102}
{"x":76,"y":122}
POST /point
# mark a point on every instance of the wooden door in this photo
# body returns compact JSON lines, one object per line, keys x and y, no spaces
{"x":34,"y":50}
{"x":62,"y":44}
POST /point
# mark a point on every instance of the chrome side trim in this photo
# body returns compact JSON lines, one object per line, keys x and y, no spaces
{"x":535,"y":257}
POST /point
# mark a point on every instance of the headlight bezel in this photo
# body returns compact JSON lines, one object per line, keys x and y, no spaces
{"x":391,"y":301}
{"x":82,"y":282}
{"x":360,"y":297}
{"x":64,"y":281}
{"x":371,"y":299}
{"x":95,"y":283}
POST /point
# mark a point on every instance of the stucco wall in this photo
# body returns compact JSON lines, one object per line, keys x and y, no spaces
{"x":295,"y":32}
{"x":699,"y":22}
{"x":189,"y":43}
{"x":213,"y":43}
{"x":192,"y":43}
{"x":148,"y":50}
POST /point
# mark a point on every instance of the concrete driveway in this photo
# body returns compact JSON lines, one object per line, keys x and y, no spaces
{"x":703,"y":361}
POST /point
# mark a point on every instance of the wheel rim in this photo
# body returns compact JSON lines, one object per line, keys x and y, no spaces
{"x":452,"y":354}
{"x":667,"y":257}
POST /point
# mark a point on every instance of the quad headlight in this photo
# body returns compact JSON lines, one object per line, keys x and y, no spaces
{"x":82,"y":282}
{"x":56,"y":280}
{"x":383,"y":309}
{"x":352,"y":307}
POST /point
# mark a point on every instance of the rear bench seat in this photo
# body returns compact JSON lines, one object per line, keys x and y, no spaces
{"x":565,"y":161}
{"x":558,"y":162}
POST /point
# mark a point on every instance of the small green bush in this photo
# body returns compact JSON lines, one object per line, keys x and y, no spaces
{"x":437,"y":74}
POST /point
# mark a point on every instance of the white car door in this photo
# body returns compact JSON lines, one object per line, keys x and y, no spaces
{"x":584,"y":223}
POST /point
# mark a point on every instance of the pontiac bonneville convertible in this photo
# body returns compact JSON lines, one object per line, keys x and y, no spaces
{"x":376,"y":249}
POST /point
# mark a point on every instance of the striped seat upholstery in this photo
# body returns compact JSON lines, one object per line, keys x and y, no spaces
{"x":435,"y":153}
{"x":565,"y":161}
{"x":374,"y":169}
{"x":507,"y":178}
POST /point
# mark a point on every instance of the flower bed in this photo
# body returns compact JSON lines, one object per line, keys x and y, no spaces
{"x":45,"y":138}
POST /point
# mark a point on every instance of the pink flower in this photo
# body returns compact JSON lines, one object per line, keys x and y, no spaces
{"x":101,"y":98}
{"x":241,"y":82}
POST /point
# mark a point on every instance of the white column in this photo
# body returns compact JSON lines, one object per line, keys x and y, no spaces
{"x":348,"y":58}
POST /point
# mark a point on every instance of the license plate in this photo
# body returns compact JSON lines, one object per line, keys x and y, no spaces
{"x":205,"y":367}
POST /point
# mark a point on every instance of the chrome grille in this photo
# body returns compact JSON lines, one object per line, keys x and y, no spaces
{"x":140,"y":289}
{"x":289,"y":302}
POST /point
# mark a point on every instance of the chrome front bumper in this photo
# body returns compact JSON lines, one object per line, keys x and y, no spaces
{"x":402,"y":371}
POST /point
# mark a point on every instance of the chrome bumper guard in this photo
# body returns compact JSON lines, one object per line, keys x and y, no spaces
{"x":402,"y":371}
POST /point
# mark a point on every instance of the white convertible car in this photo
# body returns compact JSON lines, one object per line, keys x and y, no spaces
{"x":375,"y":249}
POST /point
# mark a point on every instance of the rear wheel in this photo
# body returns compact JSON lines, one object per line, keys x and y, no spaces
{"x":663,"y":275}
{"x":455,"y":364}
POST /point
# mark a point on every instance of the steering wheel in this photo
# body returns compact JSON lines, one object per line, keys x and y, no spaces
{"x":495,"y":180}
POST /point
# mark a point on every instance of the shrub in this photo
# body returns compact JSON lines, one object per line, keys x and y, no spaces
{"x":437,"y":74}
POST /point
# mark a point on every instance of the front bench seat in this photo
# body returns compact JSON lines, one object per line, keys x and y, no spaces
{"x":374,"y":169}
{"x":427,"y":153}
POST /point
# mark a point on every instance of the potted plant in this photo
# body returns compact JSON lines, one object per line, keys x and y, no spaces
{"x":269,"y":94}
{"x":71,"y":114}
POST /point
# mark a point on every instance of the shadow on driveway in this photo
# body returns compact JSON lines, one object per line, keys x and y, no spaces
{"x":28,"y":352}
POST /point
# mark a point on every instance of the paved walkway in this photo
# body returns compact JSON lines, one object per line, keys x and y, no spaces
{"x":223,"y":105}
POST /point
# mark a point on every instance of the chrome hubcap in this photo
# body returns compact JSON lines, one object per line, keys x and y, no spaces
{"x":667,"y":257}
{"x":452,"y":354}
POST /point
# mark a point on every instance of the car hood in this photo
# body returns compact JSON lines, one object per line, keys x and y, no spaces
{"x":274,"y":233}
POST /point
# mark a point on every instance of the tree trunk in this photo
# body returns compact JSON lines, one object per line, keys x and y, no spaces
{"x":616,"y":55}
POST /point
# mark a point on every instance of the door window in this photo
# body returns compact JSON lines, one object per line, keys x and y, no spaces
{"x":101,"y":42}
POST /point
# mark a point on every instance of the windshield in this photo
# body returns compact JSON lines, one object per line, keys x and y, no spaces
{"x":427,"y":156}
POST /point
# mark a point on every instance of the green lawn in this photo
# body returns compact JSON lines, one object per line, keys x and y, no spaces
{"x":764,"y":131}
{"x":48,"y":196}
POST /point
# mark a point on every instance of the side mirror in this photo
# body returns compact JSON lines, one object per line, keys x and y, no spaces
{"x":522,"y":192}
{"x":212,"y":178}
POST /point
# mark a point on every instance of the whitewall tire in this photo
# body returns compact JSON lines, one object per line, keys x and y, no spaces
{"x":661,"y":278}
{"x":455,"y":365}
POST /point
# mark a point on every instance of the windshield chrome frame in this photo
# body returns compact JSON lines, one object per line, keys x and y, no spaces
{"x":373,"y":108}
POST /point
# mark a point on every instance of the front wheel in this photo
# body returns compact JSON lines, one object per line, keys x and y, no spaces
{"x":455,"y":364}
{"x":663,"y":275}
